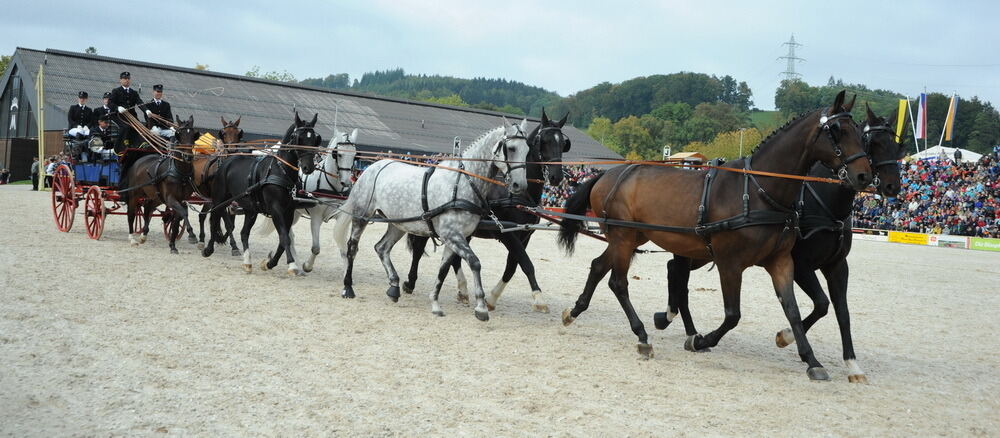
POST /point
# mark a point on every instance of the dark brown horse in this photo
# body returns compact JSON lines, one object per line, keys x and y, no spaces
{"x":205,"y":167}
{"x":160,"y":179}
{"x":741,"y":221}
{"x":823,"y":244}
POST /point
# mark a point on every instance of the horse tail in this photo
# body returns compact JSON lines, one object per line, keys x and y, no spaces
{"x":576,"y":204}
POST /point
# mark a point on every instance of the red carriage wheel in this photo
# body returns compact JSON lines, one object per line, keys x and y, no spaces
{"x":93,"y":212}
{"x":63,"y":200}
{"x":168,"y":216}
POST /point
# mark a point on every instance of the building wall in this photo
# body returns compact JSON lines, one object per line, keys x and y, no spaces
{"x":24,"y":120}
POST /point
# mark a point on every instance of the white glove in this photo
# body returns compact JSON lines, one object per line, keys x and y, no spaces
{"x":121,"y":109}
{"x":149,"y":113}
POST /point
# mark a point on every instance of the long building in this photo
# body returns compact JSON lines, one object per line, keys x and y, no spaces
{"x":266,"y":107}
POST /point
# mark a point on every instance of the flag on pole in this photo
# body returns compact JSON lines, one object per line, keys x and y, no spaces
{"x":949,"y":121}
{"x":901,"y":118}
{"x":921,"y":122}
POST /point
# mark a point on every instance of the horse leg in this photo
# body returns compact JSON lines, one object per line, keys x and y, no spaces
{"x":781,"y":269}
{"x":384,"y":250}
{"x":805,"y":277}
{"x":248,"y":221}
{"x":205,"y":208}
{"x":621,"y":258}
{"x":230,"y":222}
{"x":463,"y":284}
{"x":130,"y":215}
{"x":292,"y":254}
{"x":213,"y":226}
{"x":678,"y":276}
{"x":180,"y":218}
{"x":447,"y":259}
{"x":417,"y":245}
{"x":315,"y":221}
{"x":357,"y":228}
{"x":837,"y":277}
{"x":599,"y":267}
{"x":283,"y":225}
{"x":460,"y":246}
{"x":517,"y":255}
{"x":731,"y":279}
{"x":147,"y":213}
{"x":192,"y":238}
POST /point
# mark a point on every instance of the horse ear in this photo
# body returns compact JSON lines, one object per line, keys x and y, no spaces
{"x":562,"y":121}
{"x":223,"y":118}
{"x":545,"y":118}
{"x":354,"y":135}
{"x":524,"y":124}
{"x":178,"y":119}
{"x":892,"y":120}
{"x":237,"y":122}
{"x":870,"y":114}
{"x":191,"y":120}
{"x":850,"y":105}
{"x":506,"y":123}
{"x":314,"y":120}
{"x":838,"y":102}
{"x":298,"y":121}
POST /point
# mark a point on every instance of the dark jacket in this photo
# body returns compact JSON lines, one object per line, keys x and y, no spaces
{"x":128,"y":99}
{"x":100,"y":112}
{"x":163,"y":110}
{"x":80,"y":116}
{"x":109,"y":136}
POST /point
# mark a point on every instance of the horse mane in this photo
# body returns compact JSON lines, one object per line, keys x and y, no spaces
{"x":781,"y":129}
{"x":482,"y":138}
{"x":288,"y":134}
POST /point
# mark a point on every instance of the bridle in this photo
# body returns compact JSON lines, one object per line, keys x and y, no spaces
{"x":336,"y":156}
{"x":831,"y":126}
{"x":502,"y":145}
{"x":536,"y":142}
{"x":294,"y":139}
{"x":868,"y":134}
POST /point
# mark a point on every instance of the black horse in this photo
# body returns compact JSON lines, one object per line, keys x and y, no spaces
{"x":265,"y":184}
{"x":547,"y":143}
{"x":824,"y":243}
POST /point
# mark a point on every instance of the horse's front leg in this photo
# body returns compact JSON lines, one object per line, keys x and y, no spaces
{"x":147,"y":213}
{"x":458,"y":244}
{"x":316,"y":215}
{"x":384,"y":249}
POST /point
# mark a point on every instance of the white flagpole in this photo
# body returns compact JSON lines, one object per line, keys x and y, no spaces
{"x":913,"y":124}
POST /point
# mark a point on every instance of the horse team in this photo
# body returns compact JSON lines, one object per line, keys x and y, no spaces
{"x":760,"y":210}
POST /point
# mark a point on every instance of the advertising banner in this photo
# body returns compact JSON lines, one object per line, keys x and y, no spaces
{"x":909,"y":238}
{"x":948,"y":241}
{"x":984,"y":244}
{"x":871,"y":237}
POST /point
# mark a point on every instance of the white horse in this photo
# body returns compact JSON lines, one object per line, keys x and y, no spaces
{"x":448,"y":204}
{"x":336,"y":177}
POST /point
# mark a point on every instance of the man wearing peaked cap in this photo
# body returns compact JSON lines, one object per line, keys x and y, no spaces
{"x":125,"y":99}
{"x":80,"y":117}
{"x":161,"y":108}
{"x":102,"y":111}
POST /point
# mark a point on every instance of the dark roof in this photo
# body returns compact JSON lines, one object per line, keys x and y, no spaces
{"x":266,"y":106}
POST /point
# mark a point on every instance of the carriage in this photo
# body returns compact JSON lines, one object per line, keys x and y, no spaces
{"x":92,"y":186}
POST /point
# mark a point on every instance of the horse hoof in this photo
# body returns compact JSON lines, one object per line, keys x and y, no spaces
{"x":463,"y":298}
{"x":857,"y":378}
{"x":567,"y":317}
{"x":348,"y":292}
{"x":296,"y":273}
{"x":692,"y":342}
{"x":174,"y":251}
{"x":784,"y":338}
{"x":393,"y":293}
{"x":201,"y":245}
{"x":307,"y":267}
{"x":205,"y":252}
{"x":407,"y":287}
{"x":540,"y":308}
{"x":483,"y":316}
{"x":192,"y":240}
{"x":263,"y":265}
{"x":645,"y":351}
{"x":490,"y":307}
{"x":660,"y":320}
{"x":438,"y":313}
{"x":142,"y":238}
{"x":248,"y":268}
{"x":236,"y":253}
{"x":817,"y":373}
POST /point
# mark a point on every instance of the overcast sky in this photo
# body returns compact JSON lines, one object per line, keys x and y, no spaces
{"x":565,"y":46}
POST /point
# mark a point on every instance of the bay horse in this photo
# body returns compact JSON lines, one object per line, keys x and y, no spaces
{"x":160,"y":179}
{"x":336,"y":176}
{"x":205,"y":167}
{"x":547,"y":143}
{"x":723,"y":221}
{"x":432,"y":201}
{"x":265,"y":184}
{"x":823,"y":243}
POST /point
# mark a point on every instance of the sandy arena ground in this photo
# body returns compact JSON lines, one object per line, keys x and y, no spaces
{"x":101,"y":339}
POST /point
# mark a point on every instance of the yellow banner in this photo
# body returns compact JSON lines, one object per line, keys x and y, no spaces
{"x":901,"y":118}
{"x":910,"y":238}
{"x":949,"y":121}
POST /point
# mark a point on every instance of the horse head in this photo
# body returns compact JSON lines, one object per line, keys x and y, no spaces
{"x":186,"y":134}
{"x":510,"y":154}
{"x":883,"y":150}
{"x":231,"y":133}
{"x":549,"y":143}
{"x":302,"y":134}
{"x":343,"y":149}
{"x":838,"y":144}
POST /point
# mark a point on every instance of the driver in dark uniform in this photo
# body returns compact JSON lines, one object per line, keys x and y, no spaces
{"x":102,"y":111}
{"x":160,"y":108}
{"x":108,"y":133}
{"x":125,"y":99}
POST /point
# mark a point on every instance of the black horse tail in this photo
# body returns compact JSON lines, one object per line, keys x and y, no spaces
{"x":414,"y":244}
{"x":576,"y":204}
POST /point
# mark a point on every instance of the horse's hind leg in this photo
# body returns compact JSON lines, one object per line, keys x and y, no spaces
{"x":599,"y":267}
{"x":248,"y":221}
{"x":837,"y":277}
{"x":461,"y":247}
{"x":205,"y":208}
{"x":417,"y":245}
{"x":384,"y":250}
{"x":781,"y":269}
{"x":192,"y":238}
{"x":447,"y":260}
{"x":463,"y":284}
{"x":130,"y":215}
{"x":147,"y":213}
{"x":230,"y":222}
{"x":731,"y":279}
{"x":315,"y":221}
{"x":349,"y":252}
{"x":180,"y":218}
{"x":621,"y":252}
{"x":806,"y":278}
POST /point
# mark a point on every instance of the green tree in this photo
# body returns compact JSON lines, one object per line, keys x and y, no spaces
{"x":91,"y":50}
{"x":632,"y":136}
{"x":453,"y":100}
{"x":603,"y":131}
{"x":727,"y":144}
{"x":4,"y":61}
{"x":282,"y":76}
